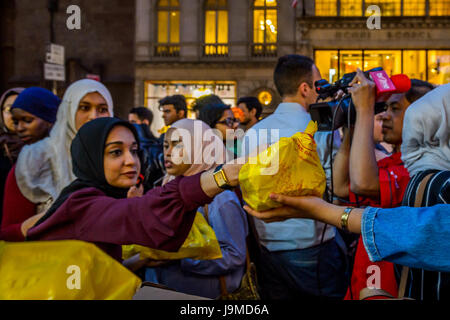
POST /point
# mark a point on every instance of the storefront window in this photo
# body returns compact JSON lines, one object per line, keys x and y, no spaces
{"x":327,"y":60}
{"x":439,"y":66}
{"x":389,"y":60}
{"x":349,"y":60}
{"x":415,"y":64}
{"x":156,"y":90}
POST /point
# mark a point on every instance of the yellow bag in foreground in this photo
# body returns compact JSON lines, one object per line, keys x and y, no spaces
{"x":290,"y":167}
{"x":62,"y":270}
{"x":200,"y":244}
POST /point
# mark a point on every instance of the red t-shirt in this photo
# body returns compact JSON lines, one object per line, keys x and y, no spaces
{"x":393,"y":179}
{"x":16,"y":209}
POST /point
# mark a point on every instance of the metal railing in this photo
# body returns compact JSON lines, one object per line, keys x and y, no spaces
{"x":215,"y":50}
{"x":167,"y":50}
{"x":264,"y":50}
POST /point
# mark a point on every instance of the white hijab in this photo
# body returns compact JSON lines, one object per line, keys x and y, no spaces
{"x":426,"y":132}
{"x":44,"y":168}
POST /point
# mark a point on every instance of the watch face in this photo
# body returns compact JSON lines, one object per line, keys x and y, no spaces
{"x":219,"y":179}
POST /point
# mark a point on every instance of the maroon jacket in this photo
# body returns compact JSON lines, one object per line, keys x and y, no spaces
{"x":160,"y":219}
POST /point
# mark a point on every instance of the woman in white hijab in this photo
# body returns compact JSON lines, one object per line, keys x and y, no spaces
{"x":190,"y":147}
{"x":44,"y":168}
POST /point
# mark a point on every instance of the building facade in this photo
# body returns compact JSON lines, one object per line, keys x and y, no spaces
{"x":103,"y":46}
{"x":230,"y":47}
{"x":414,"y":37}
{"x":196,"y":47}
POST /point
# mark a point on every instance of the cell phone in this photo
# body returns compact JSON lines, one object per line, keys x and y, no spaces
{"x":140,"y":180}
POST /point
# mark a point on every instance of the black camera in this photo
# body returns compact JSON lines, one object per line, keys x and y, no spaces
{"x":332,"y":115}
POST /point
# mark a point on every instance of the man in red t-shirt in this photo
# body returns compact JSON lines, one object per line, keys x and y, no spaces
{"x":358,"y":176}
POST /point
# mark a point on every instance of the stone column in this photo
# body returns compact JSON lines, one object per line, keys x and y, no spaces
{"x":190,"y":36}
{"x":239,"y":35}
{"x":144,"y":29}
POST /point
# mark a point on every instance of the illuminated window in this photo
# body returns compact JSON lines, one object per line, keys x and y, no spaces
{"x":328,"y":62}
{"x":216,"y":28}
{"x":349,"y":60}
{"x":387,"y":7}
{"x":351,"y":8}
{"x":389,"y":60}
{"x":414,"y":8}
{"x":326,"y":8}
{"x":439,"y":7}
{"x":168,"y":28}
{"x":439,"y":66}
{"x":265,"y":28}
{"x":415,"y":64}
{"x":357,"y":8}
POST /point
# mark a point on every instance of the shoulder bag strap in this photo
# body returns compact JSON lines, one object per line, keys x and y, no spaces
{"x":417,"y":203}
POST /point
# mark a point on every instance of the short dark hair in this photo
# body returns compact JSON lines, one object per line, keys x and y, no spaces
{"x":211,"y":113}
{"x":143,"y":113}
{"x":178,"y":101}
{"x":252,"y":103}
{"x":291,"y":71}
{"x":419,"y":88}
{"x":205,"y":100}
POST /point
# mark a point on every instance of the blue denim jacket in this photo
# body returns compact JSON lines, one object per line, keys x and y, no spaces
{"x":414,"y":237}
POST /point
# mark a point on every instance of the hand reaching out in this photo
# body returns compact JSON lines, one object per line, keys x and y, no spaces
{"x":135,"y":191}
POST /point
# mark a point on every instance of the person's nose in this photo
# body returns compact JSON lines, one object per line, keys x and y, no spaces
{"x":385,"y":116}
{"x":93,"y":114}
{"x":130,"y":159}
{"x":20,"y":127}
{"x":167,"y":153}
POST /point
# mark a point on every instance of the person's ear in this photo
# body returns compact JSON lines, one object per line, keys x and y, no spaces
{"x":253,"y":112}
{"x":181,"y":114}
{"x":303,"y":89}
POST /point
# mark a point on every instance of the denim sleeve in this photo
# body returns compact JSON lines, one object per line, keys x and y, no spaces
{"x":414,"y":237}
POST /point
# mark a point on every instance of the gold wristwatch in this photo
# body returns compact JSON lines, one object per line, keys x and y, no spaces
{"x":221,"y":178}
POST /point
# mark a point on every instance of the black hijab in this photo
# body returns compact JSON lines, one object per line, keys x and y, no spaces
{"x":87,"y":152}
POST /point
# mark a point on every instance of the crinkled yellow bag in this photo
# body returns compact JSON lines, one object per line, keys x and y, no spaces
{"x":294,"y":167}
{"x":62,"y":270}
{"x":200,"y":244}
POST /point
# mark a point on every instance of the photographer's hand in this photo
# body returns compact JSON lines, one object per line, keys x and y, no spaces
{"x":363,"y":93}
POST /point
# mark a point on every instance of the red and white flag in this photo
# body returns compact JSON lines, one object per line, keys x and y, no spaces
{"x":294,"y":4}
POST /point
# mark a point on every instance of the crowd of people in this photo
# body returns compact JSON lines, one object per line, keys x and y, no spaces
{"x":71,"y":170}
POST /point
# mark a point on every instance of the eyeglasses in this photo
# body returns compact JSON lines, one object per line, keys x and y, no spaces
{"x":229,"y":121}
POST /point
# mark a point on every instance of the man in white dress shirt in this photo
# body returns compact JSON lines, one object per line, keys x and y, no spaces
{"x":290,"y":266}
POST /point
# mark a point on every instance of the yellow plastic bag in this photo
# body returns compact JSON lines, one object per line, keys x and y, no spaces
{"x":200,"y":244}
{"x":294,"y":167}
{"x":62,"y":270}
